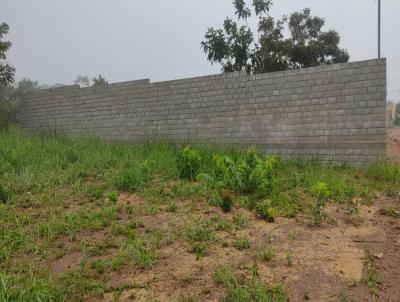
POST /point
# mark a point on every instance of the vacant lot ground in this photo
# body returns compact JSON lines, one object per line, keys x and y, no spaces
{"x":82,"y":220}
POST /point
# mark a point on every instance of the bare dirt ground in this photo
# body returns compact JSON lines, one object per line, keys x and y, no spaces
{"x":394,"y":144}
{"x":328,"y":262}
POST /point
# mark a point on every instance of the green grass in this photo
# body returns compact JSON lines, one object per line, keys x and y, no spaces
{"x":55,"y":191}
{"x":248,"y":289}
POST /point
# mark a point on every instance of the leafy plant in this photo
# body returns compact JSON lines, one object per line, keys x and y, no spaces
{"x":188,"y":162}
{"x":319,"y":190}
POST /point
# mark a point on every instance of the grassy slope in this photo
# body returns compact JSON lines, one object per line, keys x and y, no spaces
{"x":55,"y":190}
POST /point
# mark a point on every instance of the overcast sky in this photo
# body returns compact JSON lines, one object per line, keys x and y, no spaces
{"x":56,"y":40}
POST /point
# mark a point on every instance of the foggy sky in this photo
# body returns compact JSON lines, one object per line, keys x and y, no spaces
{"x":56,"y":40}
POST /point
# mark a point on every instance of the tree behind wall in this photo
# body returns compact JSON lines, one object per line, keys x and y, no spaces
{"x":8,"y":106}
{"x":99,"y":81}
{"x":236,"y":47}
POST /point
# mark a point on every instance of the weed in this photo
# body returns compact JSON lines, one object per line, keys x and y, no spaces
{"x":199,"y":248}
{"x":293,"y":234}
{"x":242,"y":243}
{"x":130,"y":181}
{"x":28,"y":287}
{"x":372,"y":278}
{"x":99,"y":266}
{"x":265,"y":210}
{"x":199,"y":237}
{"x":240,"y":221}
{"x":143,"y":256}
{"x":247,"y":290}
{"x":319,"y":190}
{"x":188,"y":162}
{"x":353,"y":214}
{"x":289,"y":259}
{"x":266,"y":254}
{"x":113,"y":196}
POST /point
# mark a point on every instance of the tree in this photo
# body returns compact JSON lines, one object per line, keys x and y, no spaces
{"x":99,"y":81}
{"x":82,"y":81}
{"x":6,"y":71}
{"x":235,"y":47}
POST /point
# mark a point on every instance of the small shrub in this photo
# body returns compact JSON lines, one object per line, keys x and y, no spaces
{"x":188,"y":162}
{"x":227,"y":201}
{"x":4,"y":194}
{"x":242,"y":244}
{"x":265,"y":210}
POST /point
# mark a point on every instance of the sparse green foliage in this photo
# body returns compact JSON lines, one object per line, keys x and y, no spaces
{"x":61,"y":197}
{"x":384,"y":172}
{"x":372,"y":278}
{"x":133,"y":178}
{"x":241,"y":243}
{"x":188,"y":162}
{"x":236,"y":47}
{"x":99,"y":81}
{"x":240,"y":221}
{"x":200,"y":235}
{"x":248,"y":289}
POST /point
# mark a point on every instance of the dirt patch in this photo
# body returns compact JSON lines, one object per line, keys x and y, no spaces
{"x":394,"y":144}
{"x":66,"y":262}
{"x":388,"y":266}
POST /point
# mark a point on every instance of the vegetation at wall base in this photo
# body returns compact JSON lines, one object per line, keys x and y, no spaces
{"x":81,"y":197}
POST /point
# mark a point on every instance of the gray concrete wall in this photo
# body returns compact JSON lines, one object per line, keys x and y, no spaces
{"x":335,"y":113}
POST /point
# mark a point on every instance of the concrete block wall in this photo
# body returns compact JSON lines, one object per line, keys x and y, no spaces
{"x":334,"y":113}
